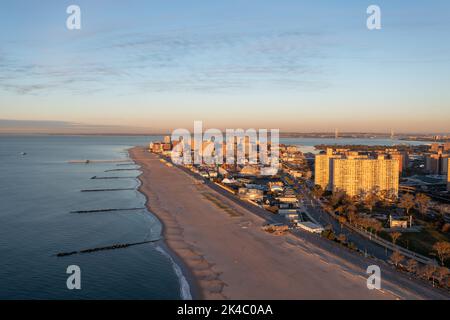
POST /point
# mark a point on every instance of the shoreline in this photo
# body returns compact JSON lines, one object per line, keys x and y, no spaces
{"x":198,"y":292}
{"x":224,"y":252}
{"x":162,"y":247}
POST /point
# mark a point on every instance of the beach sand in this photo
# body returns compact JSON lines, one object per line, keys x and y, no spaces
{"x":226,"y":251}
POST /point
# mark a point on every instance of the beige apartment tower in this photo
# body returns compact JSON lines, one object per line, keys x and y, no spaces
{"x":354,"y":173}
{"x":322,"y":171}
{"x":322,"y":168}
{"x":363,"y":175}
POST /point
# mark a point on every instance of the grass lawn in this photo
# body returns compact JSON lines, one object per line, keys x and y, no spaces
{"x":422,"y":242}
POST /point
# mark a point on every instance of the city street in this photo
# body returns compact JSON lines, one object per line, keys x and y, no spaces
{"x":394,"y":281}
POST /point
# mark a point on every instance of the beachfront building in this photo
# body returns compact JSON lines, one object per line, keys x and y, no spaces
{"x":448,"y":176}
{"x":250,"y":170}
{"x":436,"y":147}
{"x":356,"y":173}
{"x":322,"y":166}
{"x":167,"y":140}
{"x":437,"y":163}
{"x":276,"y":186}
{"x":156,"y":147}
{"x":251,"y":194}
{"x":401,"y":156}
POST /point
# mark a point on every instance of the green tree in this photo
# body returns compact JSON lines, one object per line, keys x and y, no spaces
{"x":442,"y":251}
{"x":406,"y":202}
{"x":428,"y":272}
{"x":396,"y":258}
{"x":370,"y":201}
{"x":375,"y":225}
{"x":395,"y":236}
{"x":423,"y":202}
{"x":442,"y":274}
{"x":412,"y":265}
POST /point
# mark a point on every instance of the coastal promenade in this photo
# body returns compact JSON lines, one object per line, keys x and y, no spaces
{"x":228,"y":255}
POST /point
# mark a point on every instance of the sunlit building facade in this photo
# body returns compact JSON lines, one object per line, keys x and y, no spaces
{"x":356,"y":174}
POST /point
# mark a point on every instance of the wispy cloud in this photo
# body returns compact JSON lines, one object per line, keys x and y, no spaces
{"x":173,"y":62}
{"x":11,"y":126}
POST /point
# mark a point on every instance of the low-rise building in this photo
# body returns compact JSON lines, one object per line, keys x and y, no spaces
{"x":310,"y":227}
{"x":400,"y":222}
{"x":250,"y":194}
{"x":276,"y":186}
{"x":250,"y":170}
{"x":288,"y":196}
{"x":156,"y":147}
{"x":291,"y":217}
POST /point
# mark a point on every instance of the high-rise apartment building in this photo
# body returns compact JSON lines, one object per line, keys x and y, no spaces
{"x":322,"y":167}
{"x":436,"y":147}
{"x":401,"y":156}
{"x":448,"y":176}
{"x":437,"y":163}
{"x":356,"y":173}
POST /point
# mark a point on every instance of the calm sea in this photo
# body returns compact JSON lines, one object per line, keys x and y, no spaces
{"x":37,"y":193}
{"x":40,"y":189}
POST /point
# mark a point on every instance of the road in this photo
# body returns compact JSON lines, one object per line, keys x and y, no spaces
{"x":393,"y":281}
{"x":371,"y":247}
{"x":365,"y":245}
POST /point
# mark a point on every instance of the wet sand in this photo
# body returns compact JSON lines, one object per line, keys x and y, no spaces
{"x":228,"y":254}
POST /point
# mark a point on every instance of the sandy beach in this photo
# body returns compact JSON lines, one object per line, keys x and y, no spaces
{"x":228,"y":254}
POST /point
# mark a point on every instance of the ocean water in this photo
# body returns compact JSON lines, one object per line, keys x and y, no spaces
{"x":40,"y":189}
{"x":37,"y":193}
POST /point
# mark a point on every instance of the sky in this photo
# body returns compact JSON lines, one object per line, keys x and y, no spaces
{"x":293,"y":65}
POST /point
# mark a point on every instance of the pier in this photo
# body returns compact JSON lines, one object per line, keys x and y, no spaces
{"x":87,"y":161}
{"x":112,"y":247}
{"x":131,"y":169}
{"x":101,"y":190}
{"x":106,"y":210}
{"x":108,"y":178}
